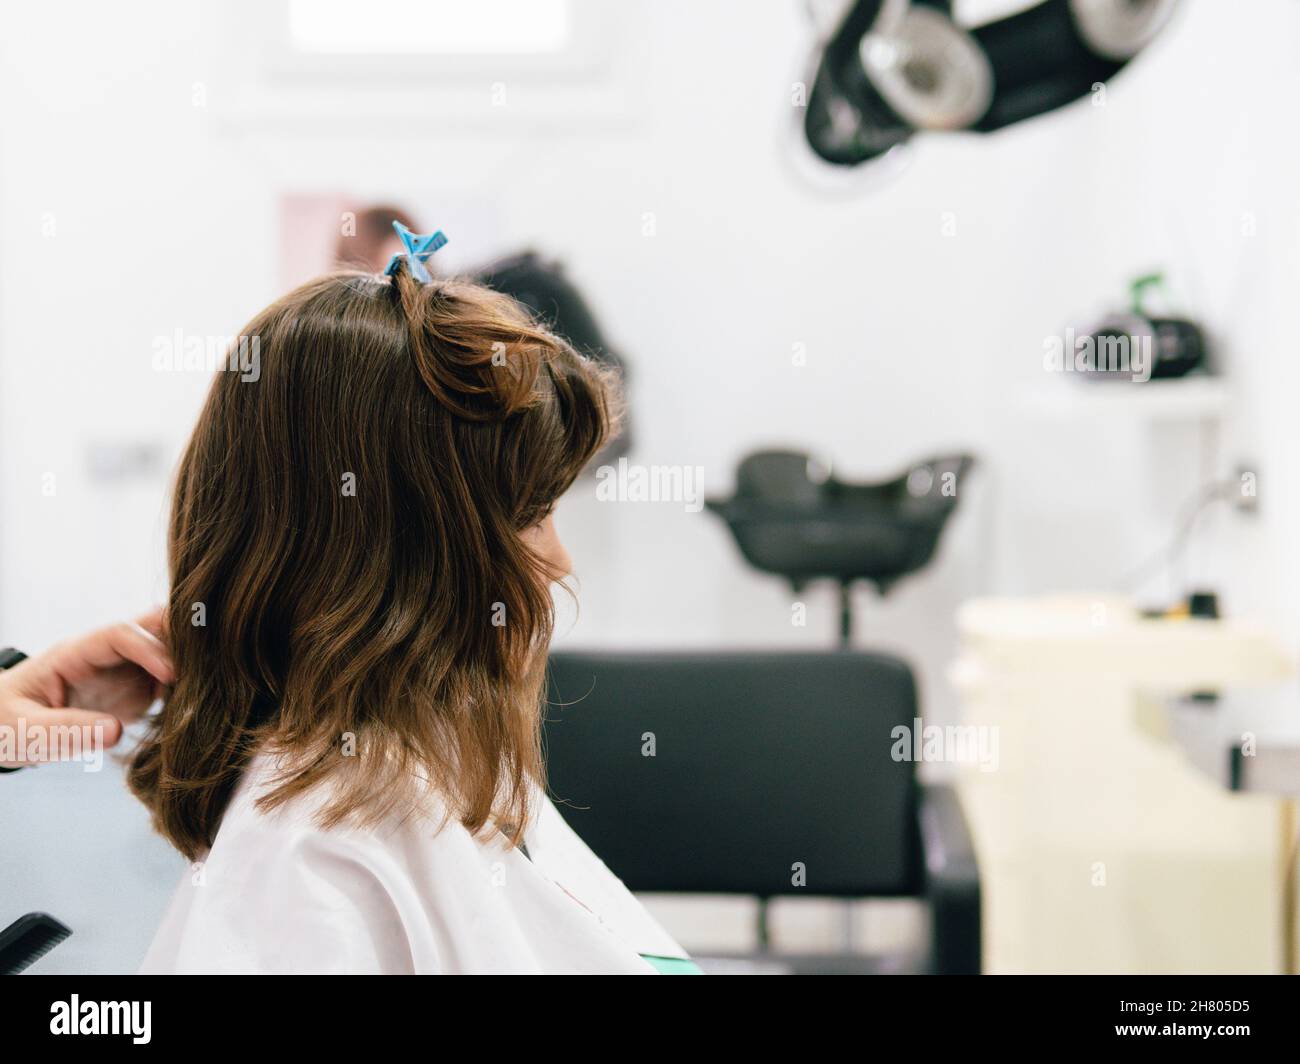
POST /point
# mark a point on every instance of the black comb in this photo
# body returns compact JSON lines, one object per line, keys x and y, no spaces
{"x":27,"y":940}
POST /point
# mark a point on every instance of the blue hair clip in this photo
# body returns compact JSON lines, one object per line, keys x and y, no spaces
{"x":418,"y":250}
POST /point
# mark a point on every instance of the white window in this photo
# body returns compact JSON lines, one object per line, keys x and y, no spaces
{"x":430,"y":27}
{"x":388,"y":64}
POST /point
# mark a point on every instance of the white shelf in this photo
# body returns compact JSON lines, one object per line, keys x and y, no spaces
{"x":1183,"y":398}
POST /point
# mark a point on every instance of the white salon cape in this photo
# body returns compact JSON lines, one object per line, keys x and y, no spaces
{"x":278,"y":894}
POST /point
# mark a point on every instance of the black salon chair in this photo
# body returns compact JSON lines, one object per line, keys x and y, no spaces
{"x":763,"y":763}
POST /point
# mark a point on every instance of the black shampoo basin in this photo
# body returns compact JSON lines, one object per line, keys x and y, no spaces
{"x":792,"y":518}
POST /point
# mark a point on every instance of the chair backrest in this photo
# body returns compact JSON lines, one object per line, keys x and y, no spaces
{"x":728,"y":772}
{"x":778,"y":477}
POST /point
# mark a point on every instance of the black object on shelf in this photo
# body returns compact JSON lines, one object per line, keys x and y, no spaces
{"x":1176,"y":346}
{"x":1203,"y":604}
{"x":792,"y":522}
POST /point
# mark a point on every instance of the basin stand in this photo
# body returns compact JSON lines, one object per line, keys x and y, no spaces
{"x":846,"y":615}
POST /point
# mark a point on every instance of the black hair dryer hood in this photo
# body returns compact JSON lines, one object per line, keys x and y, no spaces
{"x":892,"y":68}
{"x":792,"y":520}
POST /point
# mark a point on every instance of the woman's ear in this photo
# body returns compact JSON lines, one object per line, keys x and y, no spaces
{"x":544,"y":540}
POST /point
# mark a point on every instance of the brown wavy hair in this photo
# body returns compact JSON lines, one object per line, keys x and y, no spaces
{"x":349,"y":588}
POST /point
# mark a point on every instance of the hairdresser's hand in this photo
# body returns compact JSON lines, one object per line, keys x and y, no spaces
{"x":95,"y":683}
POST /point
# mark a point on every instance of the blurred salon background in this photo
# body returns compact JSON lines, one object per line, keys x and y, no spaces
{"x":801,"y":245}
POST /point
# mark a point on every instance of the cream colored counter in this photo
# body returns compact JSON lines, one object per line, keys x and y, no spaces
{"x":1102,"y":847}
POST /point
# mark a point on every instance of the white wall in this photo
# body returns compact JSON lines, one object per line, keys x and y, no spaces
{"x":164,"y":218}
